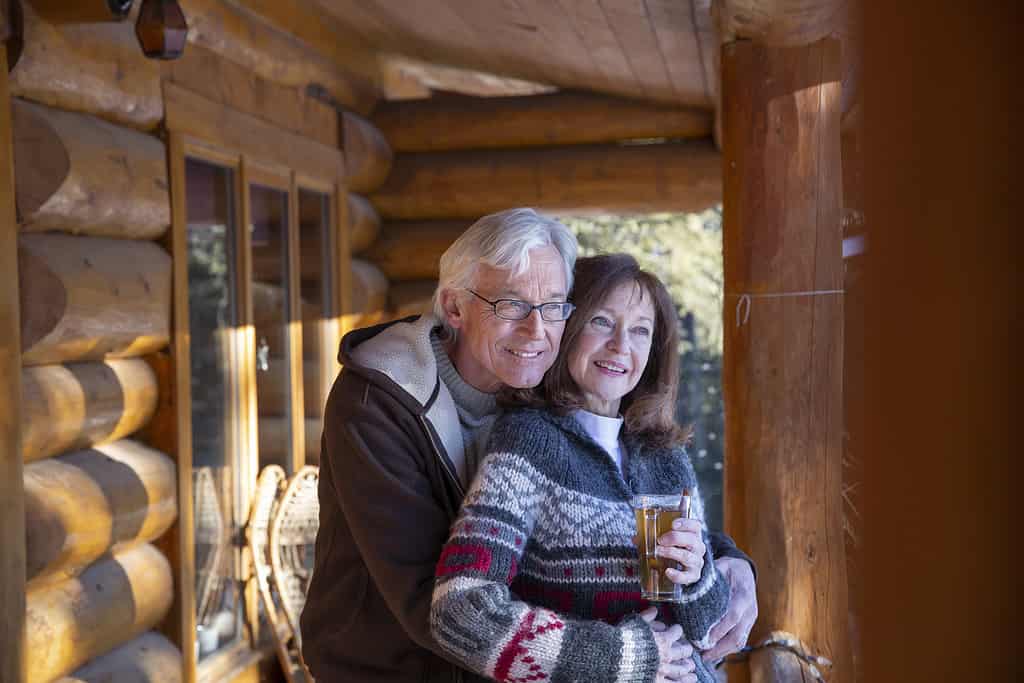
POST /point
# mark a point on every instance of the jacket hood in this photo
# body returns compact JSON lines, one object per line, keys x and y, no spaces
{"x":398,"y":357}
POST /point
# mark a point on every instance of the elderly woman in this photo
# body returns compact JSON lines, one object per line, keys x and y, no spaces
{"x":538,"y":579}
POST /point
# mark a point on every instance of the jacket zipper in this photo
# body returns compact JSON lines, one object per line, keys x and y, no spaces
{"x":440,"y":457}
{"x":457,"y":676}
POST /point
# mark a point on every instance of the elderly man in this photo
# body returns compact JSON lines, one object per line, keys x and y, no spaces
{"x":405,"y":426}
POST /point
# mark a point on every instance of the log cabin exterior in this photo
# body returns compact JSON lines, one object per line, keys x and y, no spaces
{"x":310,"y":147}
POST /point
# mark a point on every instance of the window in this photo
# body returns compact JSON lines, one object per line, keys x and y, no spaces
{"x":260,"y":285}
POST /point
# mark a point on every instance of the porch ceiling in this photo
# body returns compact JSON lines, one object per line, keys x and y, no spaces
{"x":663,"y":50}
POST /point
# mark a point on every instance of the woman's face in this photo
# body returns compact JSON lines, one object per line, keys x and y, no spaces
{"x":610,"y":354}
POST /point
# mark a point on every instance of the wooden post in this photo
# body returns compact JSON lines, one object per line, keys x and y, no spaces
{"x":784,"y":343}
{"x":12,"y":491}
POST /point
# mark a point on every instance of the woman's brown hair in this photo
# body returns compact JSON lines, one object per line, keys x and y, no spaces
{"x":649,"y":409}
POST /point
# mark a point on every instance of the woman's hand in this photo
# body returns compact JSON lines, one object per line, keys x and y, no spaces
{"x":675,"y":656}
{"x":684,"y":545}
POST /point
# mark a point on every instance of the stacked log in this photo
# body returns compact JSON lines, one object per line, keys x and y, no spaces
{"x":80,"y":505}
{"x":76,"y":405}
{"x":643,"y":178}
{"x":364,"y":223}
{"x":367,"y":154}
{"x":113,"y":601}
{"x":411,"y":250}
{"x":78,"y":174}
{"x":150,"y":658}
{"x":96,"y":68}
{"x":447,"y":121}
{"x":92,"y":298}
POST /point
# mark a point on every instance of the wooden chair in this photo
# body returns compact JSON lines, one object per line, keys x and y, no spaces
{"x":269,"y":489}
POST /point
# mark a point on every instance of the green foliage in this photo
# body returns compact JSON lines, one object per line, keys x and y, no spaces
{"x":685,"y":252}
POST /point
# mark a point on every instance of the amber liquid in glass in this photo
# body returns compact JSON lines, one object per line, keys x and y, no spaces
{"x":651,"y":524}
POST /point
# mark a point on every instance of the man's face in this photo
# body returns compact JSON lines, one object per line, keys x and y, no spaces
{"x":490,"y":352}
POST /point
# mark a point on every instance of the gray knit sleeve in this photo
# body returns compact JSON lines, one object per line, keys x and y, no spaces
{"x":477,"y":621}
{"x":705,"y":601}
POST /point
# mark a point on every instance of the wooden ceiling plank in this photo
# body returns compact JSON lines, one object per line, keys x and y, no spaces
{"x":632,"y":28}
{"x":561,"y":39}
{"x":678,"y":42}
{"x":707,"y":39}
{"x":603,"y":45}
{"x":502,"y":31}
{"x":362,"y":18}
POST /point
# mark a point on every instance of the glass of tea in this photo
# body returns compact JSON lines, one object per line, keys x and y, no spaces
{"x":654,"y":517}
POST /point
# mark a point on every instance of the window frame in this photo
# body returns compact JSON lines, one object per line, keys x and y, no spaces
{"x":214,"y":133}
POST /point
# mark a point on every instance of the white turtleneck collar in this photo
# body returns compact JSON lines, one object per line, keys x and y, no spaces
{"x":605,"y":431}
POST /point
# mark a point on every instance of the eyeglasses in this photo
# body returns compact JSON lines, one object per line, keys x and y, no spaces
{"x":514,"y":309}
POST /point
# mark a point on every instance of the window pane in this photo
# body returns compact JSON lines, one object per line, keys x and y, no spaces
{"x":314,"y":223}
{"x":215,"y":439}
{"x":269,"y":231}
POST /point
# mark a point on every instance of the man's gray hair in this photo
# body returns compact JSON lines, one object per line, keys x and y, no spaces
{"x":502,"y":240}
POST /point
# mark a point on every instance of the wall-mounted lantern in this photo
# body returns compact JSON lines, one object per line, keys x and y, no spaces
{"x":161,"y":29}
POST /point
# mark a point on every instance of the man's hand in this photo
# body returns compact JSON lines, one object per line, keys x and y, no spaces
{"x":675,"y":655}
{"x":730,"y":633}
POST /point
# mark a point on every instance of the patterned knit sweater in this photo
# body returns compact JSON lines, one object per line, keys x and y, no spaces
{"x":538,"y":579}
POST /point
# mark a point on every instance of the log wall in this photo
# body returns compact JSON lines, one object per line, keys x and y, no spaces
{"x":150,"y":658}
{"x":79,"y":174}
{"x":76,"y":405}
{"x":80,"y":505}
{"x":95,"y":299}
{"x":92,"y":298}
{"x":113,"y":601}
{"x":683,"y":176}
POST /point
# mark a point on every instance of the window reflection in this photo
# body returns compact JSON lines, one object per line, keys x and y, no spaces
{"x":269,"y":235}
{"x":314,"y":257}
{"x":213,"y":307}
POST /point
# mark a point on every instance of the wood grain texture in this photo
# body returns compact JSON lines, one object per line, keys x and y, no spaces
{"x":411,"y":250}
{"x":113,"y":601}
{"x":78,"y":174}
{"x":150,"y":658}
{"x":684,"y":176}
{"x":92,"y":298}
{"x":779,"y":23}
{"x":82,"y":11}
{"x":81,"y":504}
{"x":245,"y":38}
{"x":368,"y":155}
{"x":92,"y":68}
{"x":616,"y":47}
{"x":783,"y":354}
{"x":413,"y":297}
{"x":196,"y":116}
{"x":72,"y":406}
{"x":363,"y":221}
{"x":171,"y":428}
{"x":12,"y":491}
{"x":219,"y":79}
{"x":457,"y":122}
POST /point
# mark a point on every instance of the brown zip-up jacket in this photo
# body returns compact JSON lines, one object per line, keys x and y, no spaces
{"x":388,"y":494}
{"x":389,"y":491}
